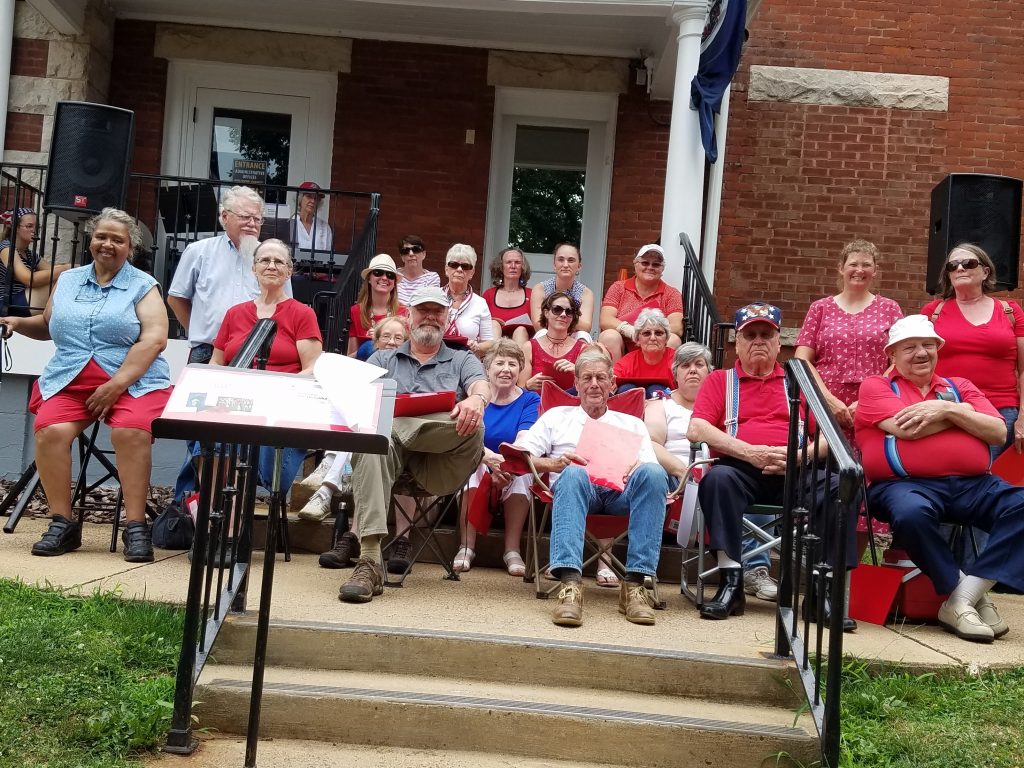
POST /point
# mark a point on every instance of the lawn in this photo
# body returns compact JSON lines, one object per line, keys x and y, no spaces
{"x":84,"y":682}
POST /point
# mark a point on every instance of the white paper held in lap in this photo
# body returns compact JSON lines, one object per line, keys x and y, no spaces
{"x":346,"y":382}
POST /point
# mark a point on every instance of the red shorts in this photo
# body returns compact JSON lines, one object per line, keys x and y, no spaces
{"x":69,"y":404}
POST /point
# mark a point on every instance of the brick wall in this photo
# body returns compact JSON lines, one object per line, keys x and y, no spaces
{"x":24,"y":132}
{"x":138,"y":81}
{"x":801,"y":180}
{"x":400,"y":130}
{"x":28,"y":57}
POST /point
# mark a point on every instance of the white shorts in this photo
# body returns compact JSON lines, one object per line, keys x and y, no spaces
{"x":520,"y":484}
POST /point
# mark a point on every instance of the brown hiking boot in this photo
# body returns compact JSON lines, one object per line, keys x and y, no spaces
{"x":636,"y":601}
{"x":345,"y":551}
{"x":569,"y":611}
{"x":365,"y":583}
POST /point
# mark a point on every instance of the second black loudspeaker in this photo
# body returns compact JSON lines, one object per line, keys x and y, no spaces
{"x":976,"y":208}
{"x":89,"y":155}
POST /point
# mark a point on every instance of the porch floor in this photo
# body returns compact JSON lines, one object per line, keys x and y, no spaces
{"x":487,"y":601}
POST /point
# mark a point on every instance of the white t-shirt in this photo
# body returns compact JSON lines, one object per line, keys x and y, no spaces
{"x":318,"y":237}
{"x":558,"y":431}
{"x":473,"y":319}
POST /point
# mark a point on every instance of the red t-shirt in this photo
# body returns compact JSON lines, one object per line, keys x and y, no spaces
{"x":633,"y":369}
{"x":950,"y":452}
{"x":295,"y":322}
{"x":763,"y":417}
{"x":356,"y":328}
{"x":985,"y":353}
{"x":623,"y":296}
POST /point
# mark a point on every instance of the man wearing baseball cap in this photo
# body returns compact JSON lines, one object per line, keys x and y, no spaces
{"x":742,"y":414}
{"x":440,"y":450}
{"x":925,"y":450}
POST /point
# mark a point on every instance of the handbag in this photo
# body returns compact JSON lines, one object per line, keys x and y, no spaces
{"x":173,"y":528}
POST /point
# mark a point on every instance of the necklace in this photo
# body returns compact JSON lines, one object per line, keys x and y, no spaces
{"x":556,"y":343}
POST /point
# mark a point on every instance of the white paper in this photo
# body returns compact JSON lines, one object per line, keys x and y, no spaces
{"x":346,"y":381}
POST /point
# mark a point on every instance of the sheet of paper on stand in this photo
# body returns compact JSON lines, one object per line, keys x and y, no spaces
{"x":347,"y":384}
{"x":610,"y":452}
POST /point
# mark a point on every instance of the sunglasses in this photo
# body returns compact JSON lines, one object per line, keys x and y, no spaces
{"x":558,"y":310}
{"x":383,"y":273}
{"x":951,"y":266}
{"x":649,"y":334}
{"x":460,"y":265}
{"x":409,"y":249}
{"x":648,"y":264}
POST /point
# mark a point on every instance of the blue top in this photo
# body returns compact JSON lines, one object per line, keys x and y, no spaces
{"x":503,"y":422}
{"x":93,"y":321}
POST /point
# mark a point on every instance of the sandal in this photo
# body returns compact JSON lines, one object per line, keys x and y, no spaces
{"x":514,"y":563}
{"x":606,"y":578}
{"x":463,"y":560}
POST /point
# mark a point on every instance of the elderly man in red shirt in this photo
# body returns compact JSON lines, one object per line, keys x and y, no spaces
{"x":925,"y":443}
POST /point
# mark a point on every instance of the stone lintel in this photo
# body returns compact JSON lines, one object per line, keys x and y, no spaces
{"x":884,"y":90}
{"x":554,"y":71}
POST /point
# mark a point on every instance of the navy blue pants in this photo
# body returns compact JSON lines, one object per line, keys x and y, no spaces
{"x":916,"y":508}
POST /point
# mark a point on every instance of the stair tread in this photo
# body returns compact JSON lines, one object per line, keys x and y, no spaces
{"x":583,"y":702}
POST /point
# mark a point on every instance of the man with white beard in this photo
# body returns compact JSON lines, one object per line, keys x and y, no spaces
{"x":439,"y":450}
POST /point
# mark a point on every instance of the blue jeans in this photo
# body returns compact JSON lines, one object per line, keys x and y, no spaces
{"x":643,"y":500}
{"x":187,"y":480}
{"x":749,"y":543}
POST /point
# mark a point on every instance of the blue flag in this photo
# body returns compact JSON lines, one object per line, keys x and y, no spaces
{"x":720,"y":48}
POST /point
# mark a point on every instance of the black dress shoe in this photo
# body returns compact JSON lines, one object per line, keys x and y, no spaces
{"x":810,"y":612}
{"x":729,"y":599}
{"x":62,"y":536}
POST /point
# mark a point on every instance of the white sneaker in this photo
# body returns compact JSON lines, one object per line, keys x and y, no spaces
{"x":316,"y":477}
{"x":317,"y":508}
{"x":759,"y":583}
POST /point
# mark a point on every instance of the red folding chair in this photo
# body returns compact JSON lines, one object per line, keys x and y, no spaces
{"x":602,"y":532}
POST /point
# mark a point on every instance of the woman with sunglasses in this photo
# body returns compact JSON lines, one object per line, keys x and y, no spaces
{"x":843,"y":337}
{"x":469,"y":318}
{"x":552,"y":356}
{"x":378,"y":298}
{"x":568,"y":263}
{"x":508,"y":298}
{"x":18,"y":228}
{"x":650,"y":364}
{"x":625,"y":300}
{"x":984,"y":336}
{"x":413,"y":275}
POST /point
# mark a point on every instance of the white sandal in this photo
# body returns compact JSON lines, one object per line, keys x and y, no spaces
{"x":514,"y":563}
{"x":463,"y":560}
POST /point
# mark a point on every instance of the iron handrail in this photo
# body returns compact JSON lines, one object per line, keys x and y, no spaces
{"x":227,"y":501}
{"x":703,"y":323}
{"x":822,"y":499}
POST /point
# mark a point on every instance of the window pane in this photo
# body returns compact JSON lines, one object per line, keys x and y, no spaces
{"x":251,"y":148}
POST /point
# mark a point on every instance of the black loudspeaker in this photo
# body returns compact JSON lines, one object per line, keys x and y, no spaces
{"x":89,"y":155}
{"x":981,"y":209}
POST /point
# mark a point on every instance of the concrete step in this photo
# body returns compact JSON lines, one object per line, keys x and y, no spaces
{"x":586,"y":725}
{"x":500,"y":658}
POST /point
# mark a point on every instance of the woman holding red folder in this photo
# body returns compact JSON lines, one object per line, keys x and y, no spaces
{"x":511,"y":410}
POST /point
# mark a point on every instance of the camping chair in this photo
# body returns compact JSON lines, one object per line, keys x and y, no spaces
{"x":424,"y":521}
{"x":599,"y":528}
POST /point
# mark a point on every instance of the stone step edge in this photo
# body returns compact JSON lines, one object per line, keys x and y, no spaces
{"x":504,"y":705}
{"x":768,"y":663}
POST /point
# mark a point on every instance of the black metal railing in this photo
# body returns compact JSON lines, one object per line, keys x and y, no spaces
{"x":822,"y":497}
{"x":703,"y":322}
{"x":222,"y":550}
{"x":176,"y":211}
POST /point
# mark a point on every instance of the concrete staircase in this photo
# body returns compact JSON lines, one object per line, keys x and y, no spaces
{"x":507,"y":697}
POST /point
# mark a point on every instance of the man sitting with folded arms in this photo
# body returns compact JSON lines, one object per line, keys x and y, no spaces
{"x":553,"y":439}
{"x":439,"y":450}
{"x":925,"y":442}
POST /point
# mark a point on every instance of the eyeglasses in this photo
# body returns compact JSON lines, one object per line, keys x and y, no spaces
{"x":558,"y":310}
{"x":953,"y":265}
{"x":408,"y":249}
{"x":649,"y":264}
{"x":399,"y":337}
{"x":266,"y":261}
{"x":383,"y":273}
{"x":647,"y":334}
{"x":459,"y":265}
{"x":249,"y":218}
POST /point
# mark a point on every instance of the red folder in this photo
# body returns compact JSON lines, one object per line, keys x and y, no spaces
{"x":610,"y":452}
{"x":479,"y":514}
{"x":422,"y":403}
{"x":1010,"y":466}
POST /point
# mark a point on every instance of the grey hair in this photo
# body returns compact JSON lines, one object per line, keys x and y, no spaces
{"x":121,"y":217}
{"x":276,"y":243}
{"x":465,"y":251}
{"x":691,"y":350}
{"x":650,"y":316}
{"x":592,"y":354}
{"x":235,"y":194}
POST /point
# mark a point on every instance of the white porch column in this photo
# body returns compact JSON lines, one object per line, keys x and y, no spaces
{"x":6,"y":45}
{"x":684,"y":175}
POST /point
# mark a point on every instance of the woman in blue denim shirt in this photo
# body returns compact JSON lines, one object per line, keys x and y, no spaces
{"x":109,"y":325}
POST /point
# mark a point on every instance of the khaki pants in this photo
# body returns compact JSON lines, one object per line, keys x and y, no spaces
{"x":429,"y":448}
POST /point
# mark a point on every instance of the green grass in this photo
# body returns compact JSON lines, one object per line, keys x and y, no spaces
{"x":84,"y":682}
{"x":896,"y":719}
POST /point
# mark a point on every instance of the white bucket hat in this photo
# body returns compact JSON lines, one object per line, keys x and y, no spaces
{"x":384,"y":262}
{"x":912,"y":327}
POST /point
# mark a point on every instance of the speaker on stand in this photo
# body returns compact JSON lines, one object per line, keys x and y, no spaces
{"x":90,"y":151}
{"x":981,"y":209}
